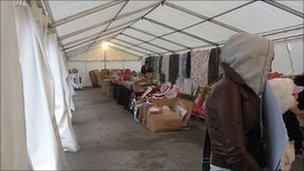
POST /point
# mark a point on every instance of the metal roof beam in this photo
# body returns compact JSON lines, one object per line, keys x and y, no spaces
{"x":134,"y":45}
{"x":86,"y":12}
{"x":164,"y":39}
{"x":152,"y":9}
{"x":99,"y":34}
{"x":117,"y":48}
{"x":145,"y":42}
{"x":93,"y":37}
{"x":118,"y":44}
{"x":113,"y":19}
{"x":181,"y":31}
{"x":81,"y":43}
{"x":284,"y":7}
{"x":203,"y":17}
{"x":122,"y":16}
{"x":115,"y":16}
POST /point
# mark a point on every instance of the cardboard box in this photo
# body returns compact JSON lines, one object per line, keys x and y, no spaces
{"x":165,"y":121}
{"x":143,"y":110}
{"x":168,"y":121}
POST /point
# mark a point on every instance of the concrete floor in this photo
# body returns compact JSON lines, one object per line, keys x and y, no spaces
{"x":110,"y":140}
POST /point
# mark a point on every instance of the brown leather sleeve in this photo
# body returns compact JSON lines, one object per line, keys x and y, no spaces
{"x":230,"y":122}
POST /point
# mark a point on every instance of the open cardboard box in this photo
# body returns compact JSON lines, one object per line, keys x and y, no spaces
{"x":167,"y":121}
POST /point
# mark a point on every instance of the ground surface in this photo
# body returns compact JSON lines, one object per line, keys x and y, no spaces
{"x":110,"y":140}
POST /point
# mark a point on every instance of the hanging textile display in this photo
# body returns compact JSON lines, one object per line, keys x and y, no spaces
{"x":173,"y":67}
{"x":155,"y":66}
{"x":165,"y":68}
{"x":188,"y":65}
{"x":159,"y":77}
{"x":214,"y":63}
{"x":199,"y":67}
{"x":182,"y":66}
{"x":43,"y":141}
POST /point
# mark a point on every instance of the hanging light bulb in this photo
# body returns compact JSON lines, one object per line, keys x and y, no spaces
{"x":104,"y":45}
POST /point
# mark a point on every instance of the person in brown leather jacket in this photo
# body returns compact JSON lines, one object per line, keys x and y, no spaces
{"x":233,"y":106}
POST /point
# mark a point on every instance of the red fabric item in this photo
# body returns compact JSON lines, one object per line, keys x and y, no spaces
{"x":273,"y":75}
{"x":198,"y":102}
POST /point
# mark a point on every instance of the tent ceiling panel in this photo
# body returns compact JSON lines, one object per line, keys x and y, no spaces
{"x":260,"y":17}
{"x":210,"y":31}
{"x":172,"y":17}
{"x":83,"y":35}
{"x":61,"y":9}
{"x":123,"y":37}
{"x":153,"y":48}
{"x":135,"y":33}
{"x":128,"y":19}
{"x":129,"y":50}
{"x":126,"y":46}
{"x":296,"y":5}
{"x":136,"y":5}
{"x":286,"y":34}
{"x":166,"y":44}
{"x":88,"y":20}
{"x":209,"y":8}
{"x":186,"y":40}
{"x":151,"y":28}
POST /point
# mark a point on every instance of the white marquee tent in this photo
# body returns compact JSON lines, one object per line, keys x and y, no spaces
{"x":36,"y":99}
{"x":145,"y":28}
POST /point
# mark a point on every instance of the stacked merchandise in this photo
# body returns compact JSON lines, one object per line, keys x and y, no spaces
{"x":93,"y":78}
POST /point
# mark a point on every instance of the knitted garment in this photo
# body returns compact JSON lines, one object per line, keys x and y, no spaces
{"x":182,"y":66}
{"x":173,"y":67}
{"x":199,"y":67}
{"x":188,"y":65}
{"x":214,"y":63}
{"x":165,"y":68}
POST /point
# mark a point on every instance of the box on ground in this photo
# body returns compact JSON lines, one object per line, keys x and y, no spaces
{"x":168,"y":120}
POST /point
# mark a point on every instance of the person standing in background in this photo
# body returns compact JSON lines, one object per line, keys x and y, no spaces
{"x":146,"y":68}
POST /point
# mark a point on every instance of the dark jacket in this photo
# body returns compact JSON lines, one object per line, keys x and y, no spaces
{"x":293,"y":129}
{"x":233,"y":124}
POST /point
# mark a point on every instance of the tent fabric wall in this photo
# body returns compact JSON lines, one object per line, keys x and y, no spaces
{"x":281,"y":61}
{"x":62,"y":112}
{"x":14,"y":154}
{"x":43,"y":141}
{"x":85,"y":66}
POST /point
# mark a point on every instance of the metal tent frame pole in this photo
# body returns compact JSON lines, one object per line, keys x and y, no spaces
{"x":203,"y":17}
{"x":114,"y":47}
{"x":160,"y":47}
{"x":93,"y":37}
{"x":112,"y":20}
{"x":284,"y":8}
{"x":81,"y":43}
{"x":86,"y":12}
{"x":161,"y":38}
{"x":134,"y":45}
{"x":180,"y":31}
{"x":126,"y":47}
{"x":91,"y":27}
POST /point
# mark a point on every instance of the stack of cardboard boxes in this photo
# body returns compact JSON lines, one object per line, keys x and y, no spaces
{"x":166,"y":120}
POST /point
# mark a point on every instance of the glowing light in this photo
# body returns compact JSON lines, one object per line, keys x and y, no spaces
{"x":105,"y":45}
